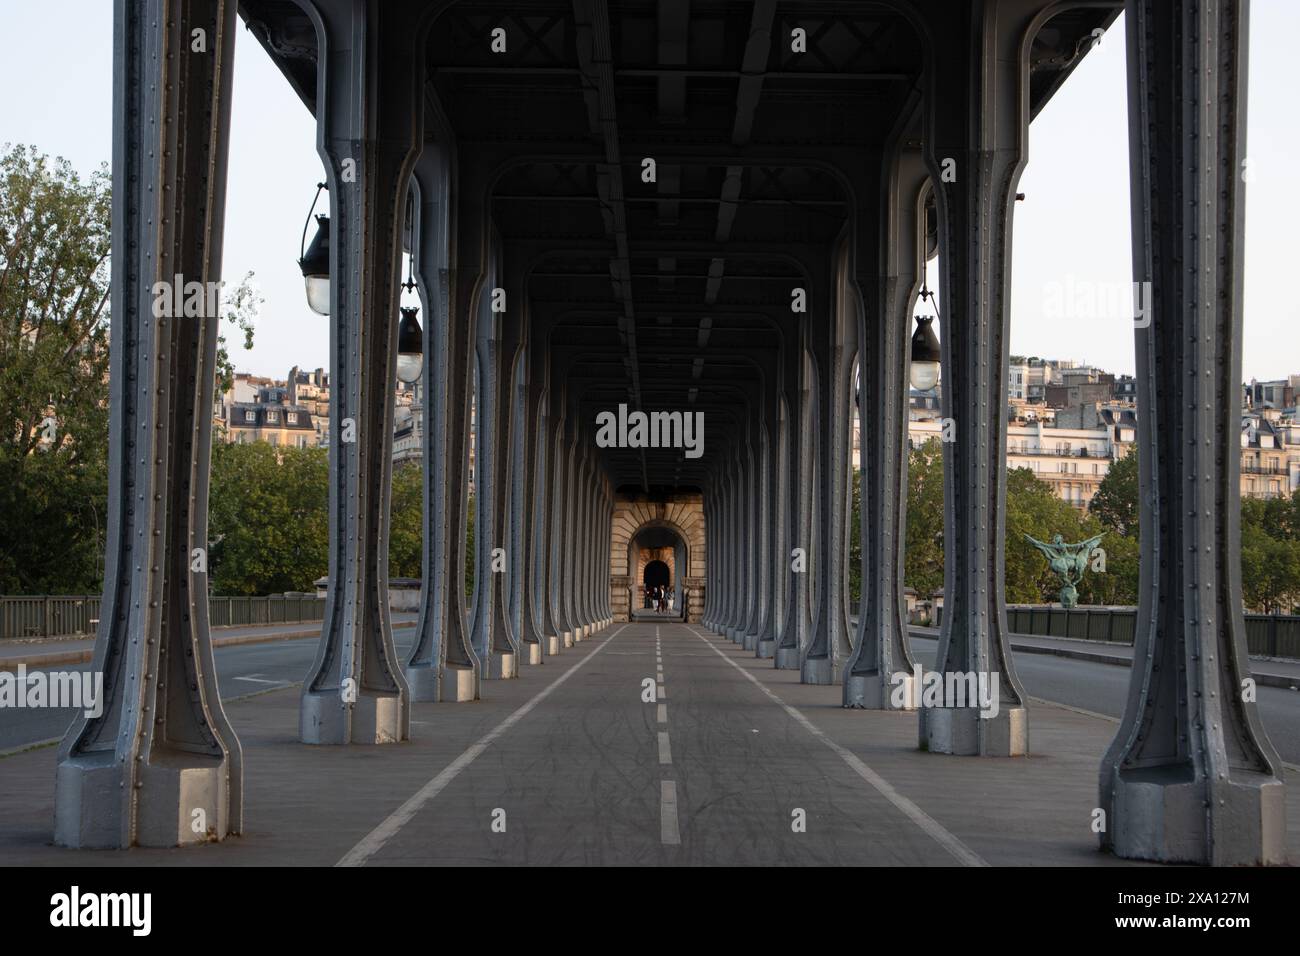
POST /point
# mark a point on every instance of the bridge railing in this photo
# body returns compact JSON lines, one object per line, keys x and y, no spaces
{"x":1267,"y":635}
{"x":71,"y":615}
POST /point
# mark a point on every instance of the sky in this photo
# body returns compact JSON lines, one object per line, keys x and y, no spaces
{"x":1072,"y":232}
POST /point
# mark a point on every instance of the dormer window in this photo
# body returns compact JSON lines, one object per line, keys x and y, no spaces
{"x":250,"y":416}
{"x":272,"y":416}
{"x":291,"y":418}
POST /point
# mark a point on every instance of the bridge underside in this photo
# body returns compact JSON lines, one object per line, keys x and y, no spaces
{"x":716,"y":210}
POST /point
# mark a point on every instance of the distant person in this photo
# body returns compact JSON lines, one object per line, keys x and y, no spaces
{"x":671,"y":599}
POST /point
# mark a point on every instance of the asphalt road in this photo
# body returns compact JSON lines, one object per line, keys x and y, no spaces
{"x":1101,"y":688}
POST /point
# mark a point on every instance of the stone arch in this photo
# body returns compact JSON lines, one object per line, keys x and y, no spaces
{"x":683,"y":516}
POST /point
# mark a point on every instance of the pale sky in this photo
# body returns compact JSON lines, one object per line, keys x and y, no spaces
{"x":1071,"y":232}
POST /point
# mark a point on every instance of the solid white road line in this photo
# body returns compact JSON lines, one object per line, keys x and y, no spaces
{"x":374,"y":841}
{"x":964,"y":854}
{"x":665,"y":752}
{"x":668,"y":832}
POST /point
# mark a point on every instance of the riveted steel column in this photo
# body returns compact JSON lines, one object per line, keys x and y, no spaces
{"x":755,"y":518}
{"x":879,"y":675}
{"x":497,"y":343}
{"x":793,"y":636}
{"x":568,"y":489}
{"x":735,"y":549}
{"x":519,"y":568}
{"x":833,"y":346}
{"x":368,"y":139}
{"x":976,"y":130}
{"x":440,"y":666}
{"x":777,"y":557}
{"x":711,"y":530}
{"x":158,"y":764}
{"x":1191,"y":776}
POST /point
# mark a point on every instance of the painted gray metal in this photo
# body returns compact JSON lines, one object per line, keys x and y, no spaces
{"x":161,"y":765}
{"x":1191,"y":776}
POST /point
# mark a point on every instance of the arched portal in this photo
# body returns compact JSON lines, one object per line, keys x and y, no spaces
{"x":660,"y":556}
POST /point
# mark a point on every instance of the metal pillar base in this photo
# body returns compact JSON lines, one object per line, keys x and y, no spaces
{"x":567,"y":638}
{"x":501,"y":665}
{"x":875,"y":692}
{"x":89,"y":791}
{"x":962,"y":731}
{"x":424,"y":682}
{"x":530,"y":653}
{"x":553,"y":645}
{"x":787,"y":658}
{"x":1159,"y":813}
{"x":820,"y":670}
{"x":375,"y":718}
{"x":765,"y":649}
{"x":749,"y":641}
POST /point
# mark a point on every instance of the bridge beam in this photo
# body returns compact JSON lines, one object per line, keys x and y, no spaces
{"x":160,"y":764}
{"x":1191,"y":775}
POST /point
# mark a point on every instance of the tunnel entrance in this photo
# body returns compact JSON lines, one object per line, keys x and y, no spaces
{"x":657,"y":541}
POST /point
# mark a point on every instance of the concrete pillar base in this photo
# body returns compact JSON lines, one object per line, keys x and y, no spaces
{"x":457,"y":684}
{"x":1160,"y":814}
{"x":873,"y":692}
{"x":89,"y":789}
{"x":787,"y":658}
{"x":530,"y":653}
{"x":961,"y":730}
{"x":820,"y":670}
{"x":553,"y":645}
{"x":765,"y":649}
{"x":749,"y":641}
{"x":376,"y":718}
{"x":501,"y":665}
{"x":567,"y":638}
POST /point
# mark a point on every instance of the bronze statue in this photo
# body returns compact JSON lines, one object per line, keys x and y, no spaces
{"x":1068,"y":562}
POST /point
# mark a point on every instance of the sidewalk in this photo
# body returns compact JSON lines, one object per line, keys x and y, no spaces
{"x":48,"y":652}
{"x":1268,"y":672}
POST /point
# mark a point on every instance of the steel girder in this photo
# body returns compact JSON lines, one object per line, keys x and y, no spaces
{"x":160,"y":764}
{"x":1191,"y":776}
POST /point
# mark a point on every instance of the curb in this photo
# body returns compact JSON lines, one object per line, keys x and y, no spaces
{"x":82,"y":656}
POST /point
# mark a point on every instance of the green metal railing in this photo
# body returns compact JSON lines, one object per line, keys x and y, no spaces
{"x":70,"y":615}
{"x":1267,"y":635}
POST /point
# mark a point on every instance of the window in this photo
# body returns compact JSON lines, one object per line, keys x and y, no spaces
{"x":272,"y":416}
{"x":250,"y":416}
{"x":291,"y":418}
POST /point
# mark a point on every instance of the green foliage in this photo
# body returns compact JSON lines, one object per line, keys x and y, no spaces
{"x":54,"y":248}
{"x":1270,"y":553}
{"x":268,"y":528}
{"x":406,"y":521}
{"x":923,"y":559}
{"x":1115,"y":504}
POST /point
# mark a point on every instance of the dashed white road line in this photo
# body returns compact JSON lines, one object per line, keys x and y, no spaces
{"x":665,"y":751}
{"x":668,"y":831}
{"x":375,"y":840}
{"x":941,"y":835}
{"x":663,"y":713}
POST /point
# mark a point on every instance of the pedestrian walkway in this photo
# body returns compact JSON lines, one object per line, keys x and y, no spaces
{"x":729,"y":761}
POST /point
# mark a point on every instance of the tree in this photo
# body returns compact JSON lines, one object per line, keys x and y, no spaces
{"x":54,"y":284}
{"x":406,"y":521}
{"x":268,"y":528}
{"x":1115,"y":504}
{"x":923,"y":559}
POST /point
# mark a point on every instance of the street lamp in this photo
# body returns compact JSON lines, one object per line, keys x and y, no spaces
{"x":925,"y":350}
{"x":410,"y":346}
{"x":315,"y":260}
